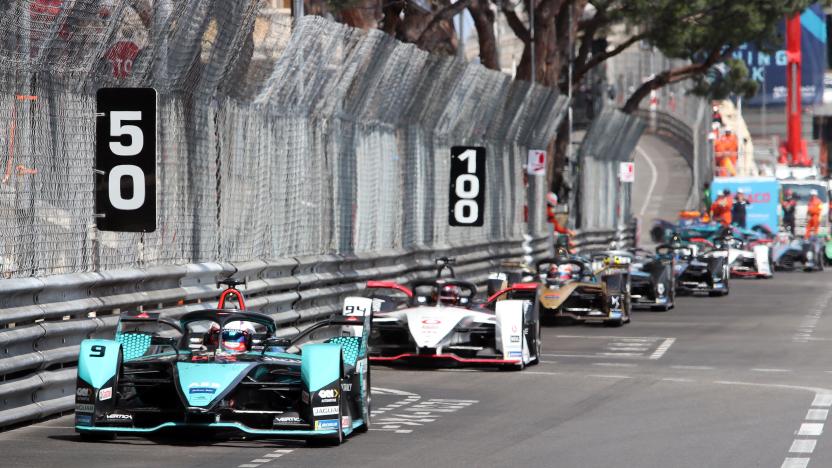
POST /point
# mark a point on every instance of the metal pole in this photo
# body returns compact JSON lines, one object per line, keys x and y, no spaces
{"x":297,"y":8}
{"x":460,"y":50}
{"x":569,"y":92}
{"x":531,"y":37}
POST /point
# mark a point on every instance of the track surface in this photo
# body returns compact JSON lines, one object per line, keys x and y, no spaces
{"x":729,"y":381}
{"x":662,"y":185}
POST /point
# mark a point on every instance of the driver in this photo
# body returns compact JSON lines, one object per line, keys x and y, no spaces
{"x":236,"y":336}
{"x":449,"y":294}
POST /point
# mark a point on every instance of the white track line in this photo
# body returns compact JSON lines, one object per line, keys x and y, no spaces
{"x":652,"y":180}
{"x":662,"y":348}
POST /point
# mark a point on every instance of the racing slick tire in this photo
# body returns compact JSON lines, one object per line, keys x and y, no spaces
{"x":538,"y":346}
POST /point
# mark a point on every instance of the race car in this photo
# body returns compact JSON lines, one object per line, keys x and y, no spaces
{"x":698,"y":268}
{"x":595,"y":289}
{"x":745,"y":259}
{"x":788,"y":252}
{"x":225,"y":370}
{"x":652,"y":283}
{"x":438,"y":322}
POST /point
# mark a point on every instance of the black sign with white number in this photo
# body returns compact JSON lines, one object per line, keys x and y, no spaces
{"x":467,"y":198}
{"x":125,"y":159}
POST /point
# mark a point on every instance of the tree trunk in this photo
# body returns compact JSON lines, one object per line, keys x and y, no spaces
{"x":484,"y":22}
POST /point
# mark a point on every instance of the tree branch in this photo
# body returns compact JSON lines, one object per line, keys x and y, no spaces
{"x":516,"y":24}
{"x":598,"y":58}
{"x":447,"y":12}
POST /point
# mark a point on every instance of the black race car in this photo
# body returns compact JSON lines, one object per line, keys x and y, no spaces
{"x":652,"y":282}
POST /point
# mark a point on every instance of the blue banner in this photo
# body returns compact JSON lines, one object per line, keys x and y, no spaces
{"x":769,"y":69}
{"x":763,"y":192}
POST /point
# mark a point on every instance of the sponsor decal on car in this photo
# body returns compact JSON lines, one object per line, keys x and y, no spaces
{"x":515,"y":354}
{"x":105,"y":393}
{"x":431,"y":321}
{"x":515,"y":338}
{"x":325,"y":410}
{"x":83,"y":392}
{"x":326,"y":424}
{"x":121,"y":417}
{"x":202,"y":390}
{"x":347,"y":387}
{"x":85,"y":408}
{"x":328,"y":393}
{"x":83,"y":420}
{"x":346,"y":421}
{"x":287,"y":420}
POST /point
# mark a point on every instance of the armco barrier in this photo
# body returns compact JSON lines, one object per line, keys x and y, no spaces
{"x":587,"y":241}
{"x":45,"y":319}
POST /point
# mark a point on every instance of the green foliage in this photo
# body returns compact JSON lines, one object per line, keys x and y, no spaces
{"x":724,"y":80}
{"x":692,"y":29}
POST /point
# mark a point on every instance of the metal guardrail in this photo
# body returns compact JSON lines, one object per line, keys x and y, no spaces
{"x":587,"y":241}
{"x":45,"y":319}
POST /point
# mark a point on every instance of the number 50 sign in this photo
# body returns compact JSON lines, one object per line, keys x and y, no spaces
{"x":467,"y":197}
{"x":125,"y":159}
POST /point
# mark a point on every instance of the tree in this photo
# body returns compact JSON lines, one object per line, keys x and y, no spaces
{"x":704,"y":33}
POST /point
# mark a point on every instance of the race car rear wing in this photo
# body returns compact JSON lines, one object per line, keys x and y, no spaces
{"x":389,"y":285}
{"x":527,"y":287}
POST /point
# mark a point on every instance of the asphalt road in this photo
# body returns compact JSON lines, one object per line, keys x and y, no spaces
{"x":740,"y":381}
{"x":662,"y":185}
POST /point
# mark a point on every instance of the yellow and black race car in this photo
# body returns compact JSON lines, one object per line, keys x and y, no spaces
{"x":586,"y":289}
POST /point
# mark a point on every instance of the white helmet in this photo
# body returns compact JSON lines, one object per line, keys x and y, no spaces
{"x":236,"y":336}
{"x":813,"y":192}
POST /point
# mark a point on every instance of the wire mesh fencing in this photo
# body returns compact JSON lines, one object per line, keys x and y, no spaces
{"x":274,"y":139}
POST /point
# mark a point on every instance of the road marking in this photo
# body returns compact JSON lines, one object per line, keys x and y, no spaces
{"x":419,"y":414}
{"x":607,"y":337}
{"x":676,"y":379}
{"x":810,"y":429}
{"x":817,"y":415}
{"x":823,"y":400}
{"x":614,"y":364}
{"x":803,"y":446}
{"x":795,"y":463}
{"x":771,"y":370}
{"x":609,"y":376}
{"x":663,"y":348}
{"x":807,"y":326}
{"x":693,"y":367}
{"x":266,"y":458}
{"x":653,"y":178}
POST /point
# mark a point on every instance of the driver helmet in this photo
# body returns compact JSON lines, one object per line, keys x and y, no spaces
{"x":236,"y":336}
{"x":449,"y":294}
{"x":565,"y":272}
{"x":813,"y":193}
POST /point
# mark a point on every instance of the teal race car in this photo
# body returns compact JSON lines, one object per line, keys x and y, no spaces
{"x":224,"y":370}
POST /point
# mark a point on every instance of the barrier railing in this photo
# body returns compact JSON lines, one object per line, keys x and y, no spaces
{"x":45,"y":319}
{"x":621,"y":237}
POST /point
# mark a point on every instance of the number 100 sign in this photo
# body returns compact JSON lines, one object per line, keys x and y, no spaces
{"x":467,"y":197}
{"x":125,"y":159}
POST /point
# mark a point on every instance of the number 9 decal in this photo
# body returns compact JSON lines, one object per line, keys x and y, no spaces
{"x":97,"y":351}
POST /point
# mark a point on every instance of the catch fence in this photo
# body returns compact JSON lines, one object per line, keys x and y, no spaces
{"x":273,"y":141}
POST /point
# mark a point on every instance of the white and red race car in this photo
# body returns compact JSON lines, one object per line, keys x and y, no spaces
{"x":437,"y":322}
